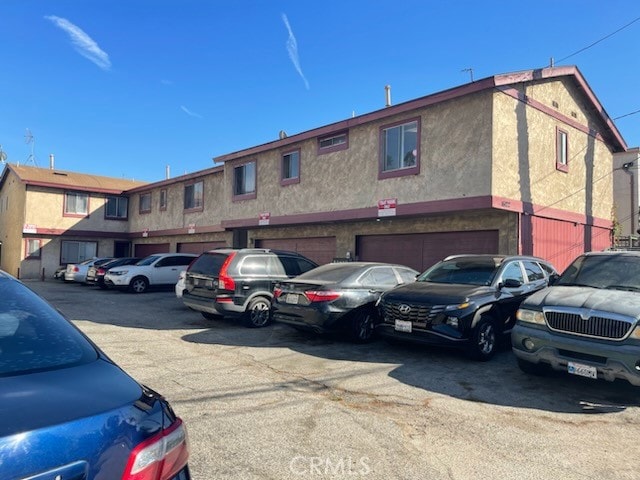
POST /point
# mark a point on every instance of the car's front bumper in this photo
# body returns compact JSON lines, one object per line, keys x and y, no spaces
{"x":438,"y":335}
{"x":611,"y":359}
{"x":120,"y":281}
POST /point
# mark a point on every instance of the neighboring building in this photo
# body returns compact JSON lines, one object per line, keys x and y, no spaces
{"x":50,"y":217}
{"x":626,"y":195}
{"x":516,"y":163}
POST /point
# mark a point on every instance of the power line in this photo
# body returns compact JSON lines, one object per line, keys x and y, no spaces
{"x":598,"y":41}
{"x":627,"y":115}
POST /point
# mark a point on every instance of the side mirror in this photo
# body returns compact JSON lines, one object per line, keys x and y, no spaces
{"x":553,"y":279}
{"x":511,"y":283}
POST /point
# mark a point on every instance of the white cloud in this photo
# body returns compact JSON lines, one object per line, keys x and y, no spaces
{"x":82,"y":42}
{"x":189,"y":112}
{"x":292,"y":48}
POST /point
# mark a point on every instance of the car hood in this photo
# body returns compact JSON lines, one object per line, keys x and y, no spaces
{"x":32,"y":401}
{"x":615,"y":301}
{"x":436,"y":293}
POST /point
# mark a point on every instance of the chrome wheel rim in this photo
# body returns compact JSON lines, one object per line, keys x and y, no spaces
{"x":486,"y":339}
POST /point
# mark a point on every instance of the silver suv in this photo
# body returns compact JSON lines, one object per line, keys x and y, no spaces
{"x":586,"y":324}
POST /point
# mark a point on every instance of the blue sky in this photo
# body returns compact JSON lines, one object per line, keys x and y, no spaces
{"x":124,"y":88}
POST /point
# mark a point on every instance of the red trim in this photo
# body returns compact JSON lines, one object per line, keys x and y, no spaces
{"x":290,"y":180}
{"x":73,"y":188}
{"x":248,"y":195}
{"x":28,"y":256}
{"x":398,"y":172}
{"x":334,"y":148}
{"x":75,"y":215}
{"x":180,"y":179}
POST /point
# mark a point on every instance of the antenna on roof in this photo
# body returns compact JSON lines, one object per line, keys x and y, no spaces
{"x":470,"y":70}
{"x":29,"y":139}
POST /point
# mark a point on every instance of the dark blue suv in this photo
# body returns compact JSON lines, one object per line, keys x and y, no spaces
{"x":68,"y":412}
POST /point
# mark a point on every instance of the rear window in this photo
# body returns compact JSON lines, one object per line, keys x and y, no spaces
{"x":208,"y":264}
{"x":34,"y":336}
{"x":333,"y":272}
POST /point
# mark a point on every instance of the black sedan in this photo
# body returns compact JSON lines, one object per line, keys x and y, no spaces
{"x":338,"y":296}
{"x":68,"y":412}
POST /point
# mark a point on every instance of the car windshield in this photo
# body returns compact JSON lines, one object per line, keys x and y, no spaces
{"x":617,"y":272}
{"x":34,"y":336}
{"x":466,"y":271}
{"x":148,"y":260}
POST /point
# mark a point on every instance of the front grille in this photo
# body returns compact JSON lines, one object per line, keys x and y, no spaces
{"x":593,"y":326}
{"x":420,"y":314}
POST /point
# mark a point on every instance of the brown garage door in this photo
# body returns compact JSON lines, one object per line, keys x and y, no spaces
{"x":199,"y":247}
{"x":421,"y":250}
{"x":146,"y":249}
{"x":319,"y":249}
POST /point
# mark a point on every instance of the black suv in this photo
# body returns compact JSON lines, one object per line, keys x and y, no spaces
{"x":464,"y":300}
{"x":239,"y":282}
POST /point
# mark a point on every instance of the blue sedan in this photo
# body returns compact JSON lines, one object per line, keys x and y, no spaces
{"x":68,"y":412}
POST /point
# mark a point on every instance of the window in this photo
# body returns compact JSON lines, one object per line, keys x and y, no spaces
{"x":32,"y":247}
{"x":193,"y":196}
{"x":513,"y":272}
{"x":562,"y":150}
{"x":379,"y":277}
{"x":76,"y":252}
{"x":338,"y":141}
{"x":76,"y":204}
{"x":533,"y":270}
{"x":145,"y":203}
{"x":163,"y":199}
{"x":244,"y":180}
{"x":116,"y":207}
{"x":400,"y":149}
{"x":290,"y":168}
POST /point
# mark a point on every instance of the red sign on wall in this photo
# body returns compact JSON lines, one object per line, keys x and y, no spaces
{"x":263,"y":218}
{"x":387,"y":207}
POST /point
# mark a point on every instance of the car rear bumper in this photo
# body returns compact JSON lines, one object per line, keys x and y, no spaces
{"x":209,"y":305}
{"x":310,"y":319}
{"x":611,"y":360}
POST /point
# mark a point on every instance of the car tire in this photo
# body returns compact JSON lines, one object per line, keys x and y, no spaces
{"x":258,"y":313}
{"x":211,"y":316}
{"x":363,"y":325}
{"x":532,"y":368}
{"x":139,"y":285}
{"x":484,"y":339}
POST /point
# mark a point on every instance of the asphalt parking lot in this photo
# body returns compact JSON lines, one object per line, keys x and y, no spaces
{"x":279,"y":404}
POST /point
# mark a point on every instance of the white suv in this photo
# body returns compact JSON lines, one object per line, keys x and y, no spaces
{"x":154,"y":270}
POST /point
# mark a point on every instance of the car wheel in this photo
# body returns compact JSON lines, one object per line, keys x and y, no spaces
{"x":211,"y":316}
{"x":484,"y":339}
{"x":532,"y":368}
{"x":362,"y":325}
{"x":138,"y":285}
{"x":258,"y":313}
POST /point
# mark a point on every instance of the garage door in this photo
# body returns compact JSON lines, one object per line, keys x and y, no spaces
{"x":199,"y":247}
{"x":421,"y":250}
{"x":146,"y":249}
{"x":319,"y":249}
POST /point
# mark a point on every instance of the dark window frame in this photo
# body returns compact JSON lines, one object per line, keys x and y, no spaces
{"x":284,"y":181}
{"x":402,"y":171}
{"x":335,"y":147}
{"x":196,"y":207}
{"x":249,"y":195}
{"x":116,"y":198}
{"x":143,"y":210}
{"x":37,"y":255}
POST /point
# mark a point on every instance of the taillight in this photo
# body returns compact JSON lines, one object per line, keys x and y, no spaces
{"x":277,"y":291}
{"x":225,"y":282}
{"x":161,"y":457}
{"x":100,"y":271}
{"x":322,"y":295}
{"x":76,"y":269}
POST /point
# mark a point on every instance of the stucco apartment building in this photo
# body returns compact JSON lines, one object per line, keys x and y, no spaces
{"x":515,"y":163}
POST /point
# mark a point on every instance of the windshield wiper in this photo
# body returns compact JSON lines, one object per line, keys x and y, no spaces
{"x":628,"y":288}
{"x":571,"y":284}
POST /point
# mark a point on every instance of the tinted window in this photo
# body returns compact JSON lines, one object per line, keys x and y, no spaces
{"x":148,"y":260}
{"x":261,"y":265}
{"x":533,"y":270}
{"x":513,"y":272}
{"x":294,"y":266}
{"x":208,"y":264}
{"x":34,"y":336}
{"x":548,"y":269}
{"x":332,"y":272}
{"x":604,"y":271}
{"x":466,"y":271}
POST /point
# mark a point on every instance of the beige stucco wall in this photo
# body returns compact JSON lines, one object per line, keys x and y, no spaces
{"x":455,"y":155}
{"x":524,"y":152}
{"x":12,"y":208}
{"x":174,"y":217}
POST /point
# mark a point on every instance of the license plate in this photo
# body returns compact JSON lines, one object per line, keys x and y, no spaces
{"x":291,"y":298}
{"x":582,"y":370}
{"x":403,"y":326}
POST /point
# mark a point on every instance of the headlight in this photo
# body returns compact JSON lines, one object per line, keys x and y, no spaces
{"x":459,"y":306}
{"x":119,"y":272}
{"x":530,"y":316}
{"x":636,"y":333}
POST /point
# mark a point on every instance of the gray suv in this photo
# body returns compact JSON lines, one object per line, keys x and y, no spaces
{"x":239,"y":282}
{"x":586,"y":324}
